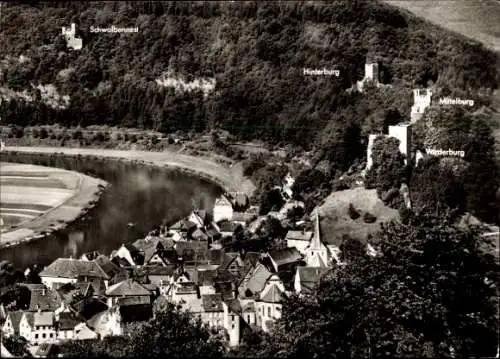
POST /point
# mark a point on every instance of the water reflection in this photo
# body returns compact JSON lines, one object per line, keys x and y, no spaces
{"x":145,"y":196}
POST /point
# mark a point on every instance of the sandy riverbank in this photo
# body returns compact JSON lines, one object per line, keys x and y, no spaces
{"x":40,"y":200}
{"x":230,"y":179}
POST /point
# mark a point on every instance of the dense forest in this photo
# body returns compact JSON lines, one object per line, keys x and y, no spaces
{"x":244,"y":62}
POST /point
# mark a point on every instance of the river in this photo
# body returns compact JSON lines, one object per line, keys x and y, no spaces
{"x":145,"y":196}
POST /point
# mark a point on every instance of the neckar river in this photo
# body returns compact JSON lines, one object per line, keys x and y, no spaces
{"x":141,"y":195}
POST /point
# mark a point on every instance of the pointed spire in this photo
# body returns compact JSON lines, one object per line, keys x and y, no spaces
{"x":316,"y":239}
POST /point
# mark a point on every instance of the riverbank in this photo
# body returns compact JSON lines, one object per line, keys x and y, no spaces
{"x":231,"y":179}
{"x":37,"y":200}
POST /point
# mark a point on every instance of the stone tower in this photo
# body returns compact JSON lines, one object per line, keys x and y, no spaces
{"x":403,"y":133}
{"x":421,"y":100}
{"x":371,"y":72}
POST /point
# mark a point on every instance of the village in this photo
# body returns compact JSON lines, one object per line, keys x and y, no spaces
{"x":186,"y":263}
{"x":193,"y":264}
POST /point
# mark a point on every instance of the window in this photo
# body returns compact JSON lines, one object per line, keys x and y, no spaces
{"x":44,"y":335}
{"x":269,"y":311}
{"x":248,"y":318}
{"x":51,"y":335}
{"x":36,"y":336}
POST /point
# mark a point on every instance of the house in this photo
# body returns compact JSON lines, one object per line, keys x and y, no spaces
{"x":269,"y":304}
{"x":113,"y":271}
{"x":66,"y":324}
{"x":192,"y":251}
{"x":232,"y":321}
{"x":183,"y":292}
{"x":129,"y":253}
{"x":64,"y":270}
{"x":129,"y":290}
{"x":243,"y":218}
{"x":223,"y":209}
{"x":284,"y":259}
{"x":106,"y":323}
{"x":199,"y":235}
{"x":11,"y":325}
{"x":227,"y":228}
{"x":160,"y":276}
{"x":233,"y":263}
{"x":213,"y":312}
{"x":316,"y":252}
{"x":249,"y":311}
{"x":156,"y":250}
{"x":254,"y":282}
{"x":306,"y":278}
{"x":198,"y":217}
{"x":182,"y":228}
{"x":38,"y":327}
{"x":298,"y":239}
{"x":71,"y":293}
{"x":83,"y":332}
{"x":42,"y":298}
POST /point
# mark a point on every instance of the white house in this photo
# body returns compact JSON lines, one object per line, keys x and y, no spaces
{"x":223,"y":209}
{"x":269,"y":304}
{"x":67,"y":270}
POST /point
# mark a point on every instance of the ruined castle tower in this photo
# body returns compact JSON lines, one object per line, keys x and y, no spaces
{"x":421,"y":100}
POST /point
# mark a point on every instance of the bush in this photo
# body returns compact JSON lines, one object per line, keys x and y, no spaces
{"x":35,"y":133}
{"x":133,"y":138}
{"x":77,"y":135}
{"x":369,"y":218}
{"x":18,"y":131}
{"x":353,"y":213}
{"x":44,"y":133}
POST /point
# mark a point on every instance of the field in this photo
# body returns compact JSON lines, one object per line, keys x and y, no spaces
{"x":35,"y":198}
{"x":335,"y":220}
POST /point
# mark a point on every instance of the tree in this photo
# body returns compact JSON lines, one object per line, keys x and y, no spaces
{"x":171,"y":333}
{"x":388,"y":169}
{"x":432,"y":293}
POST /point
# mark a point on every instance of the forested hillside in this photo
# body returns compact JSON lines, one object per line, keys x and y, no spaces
{"x":237,"y":66}
{"x":255,"y":52}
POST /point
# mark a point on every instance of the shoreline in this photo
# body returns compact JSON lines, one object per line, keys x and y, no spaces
{"x":229,"y":179}
{"x":86,"y":196}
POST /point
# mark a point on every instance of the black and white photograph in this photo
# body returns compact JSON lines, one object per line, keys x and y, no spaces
{"x":250,"y":179}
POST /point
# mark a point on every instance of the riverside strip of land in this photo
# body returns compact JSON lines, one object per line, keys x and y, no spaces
{"x":231,"y":179}
{"x":36,"y":200}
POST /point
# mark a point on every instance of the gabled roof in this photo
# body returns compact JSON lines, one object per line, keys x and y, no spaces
{"x":47,"y":300}
{"x":199,"y":235}
{"x":43,"y":318}
{"x":223,"y":201}
{"x":108,"y":267}
{"x":68,"y":321}
{"x":15,"y":319}
{"x":309,"y":277}
{"x":258,"y":279}
{"x":128,"y":287}
{"x":272,"y":295}
{"x":252,"y":258}
{"x":216,"y":256}
{"x":142,"y":300}
{"x":206,"y":277}
{"x":228,"y":226}
{"x":168,"y":270}
{"x":212,"y":302}
{"x":234,"y":305}
{"x":186,"y":288}
{"x":299,"y":236}
{"x":73,"y":268}
{"x":69,"y":291}
{"x":285,"y":256}
{"x":89,"y":308}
